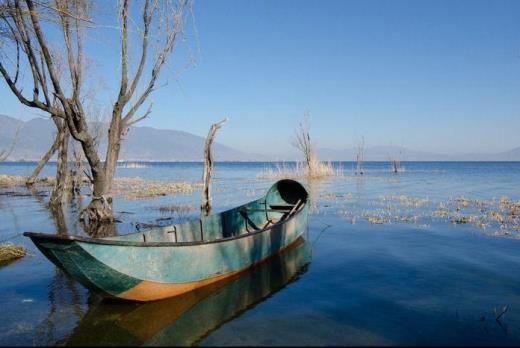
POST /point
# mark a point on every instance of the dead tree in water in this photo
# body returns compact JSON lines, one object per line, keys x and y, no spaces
{"x":205,"y":206}
{"x":60,"y":145}
{"x":46,"y":157}
{"x":360,"y":157}
{"x":28,"y":29}
{"x":302,"y":141}
{"x":61,"y":165}
{"x":395,"y":163}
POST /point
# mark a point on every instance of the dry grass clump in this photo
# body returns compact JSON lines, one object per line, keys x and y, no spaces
{"x":406,"y":218}
{"x":11,"y":180}
{"x":318,"y":169}
{"x":462,"y":201}
{"x":509,"y":207}
{"x":460,"y":219}
{"x":315,"y":171}
{"x":406,"y":200}
{"x":442,"y":211}
{"x":281,"y":171}
{"x":495,"y":215}
{"x":138,"y":188}
{"x":19,"y":180}
{"x":175,"y":208}
{"x":10,"y":252}
{"x":377,"y":220}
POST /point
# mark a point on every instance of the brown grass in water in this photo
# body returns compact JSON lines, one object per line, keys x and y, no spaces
{"x":315,"y":171}
{"x":10,"y":252}
{"x":138,"y":188}
{"x":19,"y":180}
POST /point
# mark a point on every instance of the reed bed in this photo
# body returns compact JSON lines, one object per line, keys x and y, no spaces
{"x":11,"y":252}
{"x":495,"y":217}
{"x":139,"y":188}
{"x":19,"y":180}
{"x":316,"y":170}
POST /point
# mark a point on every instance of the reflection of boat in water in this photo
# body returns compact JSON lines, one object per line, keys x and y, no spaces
{"x":185,"y":319}
{"x":171,"y":260}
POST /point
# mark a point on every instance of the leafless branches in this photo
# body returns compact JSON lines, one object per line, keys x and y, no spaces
{"x":360,"y":156}
{"x":57,"y":72}
{"x":302,"y":141}
{"x":396,"y":164}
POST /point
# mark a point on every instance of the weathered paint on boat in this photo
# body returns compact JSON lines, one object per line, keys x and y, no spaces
{"x":172,"y":260}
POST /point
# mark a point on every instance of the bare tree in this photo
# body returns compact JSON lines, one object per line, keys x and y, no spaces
{"x":61,"y":142}
{"x":395,"y":162}
{"x":63,"y":137}
{"x":4,"y":154}
{"x":302,"y":140}
{"x":208,"y":167}
{"x":360,"y":156}
{"x":25,"y":24}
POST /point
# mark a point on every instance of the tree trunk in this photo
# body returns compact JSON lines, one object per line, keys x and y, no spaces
{"x":113,"y":149}
{"x":100,"y":207}
{"x":205,"y":206}
{"x":54,"y":147}
{"x":76,"y":172}
{"x":32,"y":179}
{"x":61,"y":166}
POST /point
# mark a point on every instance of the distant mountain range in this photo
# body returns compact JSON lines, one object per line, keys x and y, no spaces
{"x":151,"y":144}
{"x":385,"y":153}
{"x":140,"y":144}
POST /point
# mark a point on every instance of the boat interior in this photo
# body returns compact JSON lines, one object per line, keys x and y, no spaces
{"x":284,"y":199}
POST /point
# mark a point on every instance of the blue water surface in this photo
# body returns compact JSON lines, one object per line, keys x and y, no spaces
{"x":416,"y":278}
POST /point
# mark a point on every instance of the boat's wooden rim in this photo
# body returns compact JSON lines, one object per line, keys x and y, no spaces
{"x":54,"y":237}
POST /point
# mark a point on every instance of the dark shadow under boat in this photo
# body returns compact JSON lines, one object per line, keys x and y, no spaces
{"x":186,"y":319}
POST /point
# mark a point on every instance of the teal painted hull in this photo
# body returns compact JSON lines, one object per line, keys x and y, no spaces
{"x":171,"y":322}
{"x":172,"y":260}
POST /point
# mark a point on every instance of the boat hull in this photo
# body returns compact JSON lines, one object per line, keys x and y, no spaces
{"x":146,"y":272}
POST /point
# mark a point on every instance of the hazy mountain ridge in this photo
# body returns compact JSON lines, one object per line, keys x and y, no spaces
{"x":152,"y":144}
{"x":386,"y":153}
{"x":140,"y":144}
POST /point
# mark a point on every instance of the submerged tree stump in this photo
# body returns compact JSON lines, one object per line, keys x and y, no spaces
{"x":205,"y":206}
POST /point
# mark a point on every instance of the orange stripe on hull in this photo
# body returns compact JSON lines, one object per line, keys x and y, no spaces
{"x":151,"y":291}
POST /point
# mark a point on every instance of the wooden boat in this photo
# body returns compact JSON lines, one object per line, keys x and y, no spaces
{"x":172,"y":260}
{"x":170,"y":322}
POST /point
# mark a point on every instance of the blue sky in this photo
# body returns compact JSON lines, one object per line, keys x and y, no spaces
{"x":440,"y":76}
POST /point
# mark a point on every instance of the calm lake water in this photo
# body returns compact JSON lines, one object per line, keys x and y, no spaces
{"x":382,"y":262}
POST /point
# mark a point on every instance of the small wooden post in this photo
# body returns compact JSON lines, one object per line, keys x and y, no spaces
{"x":205,"y":206}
